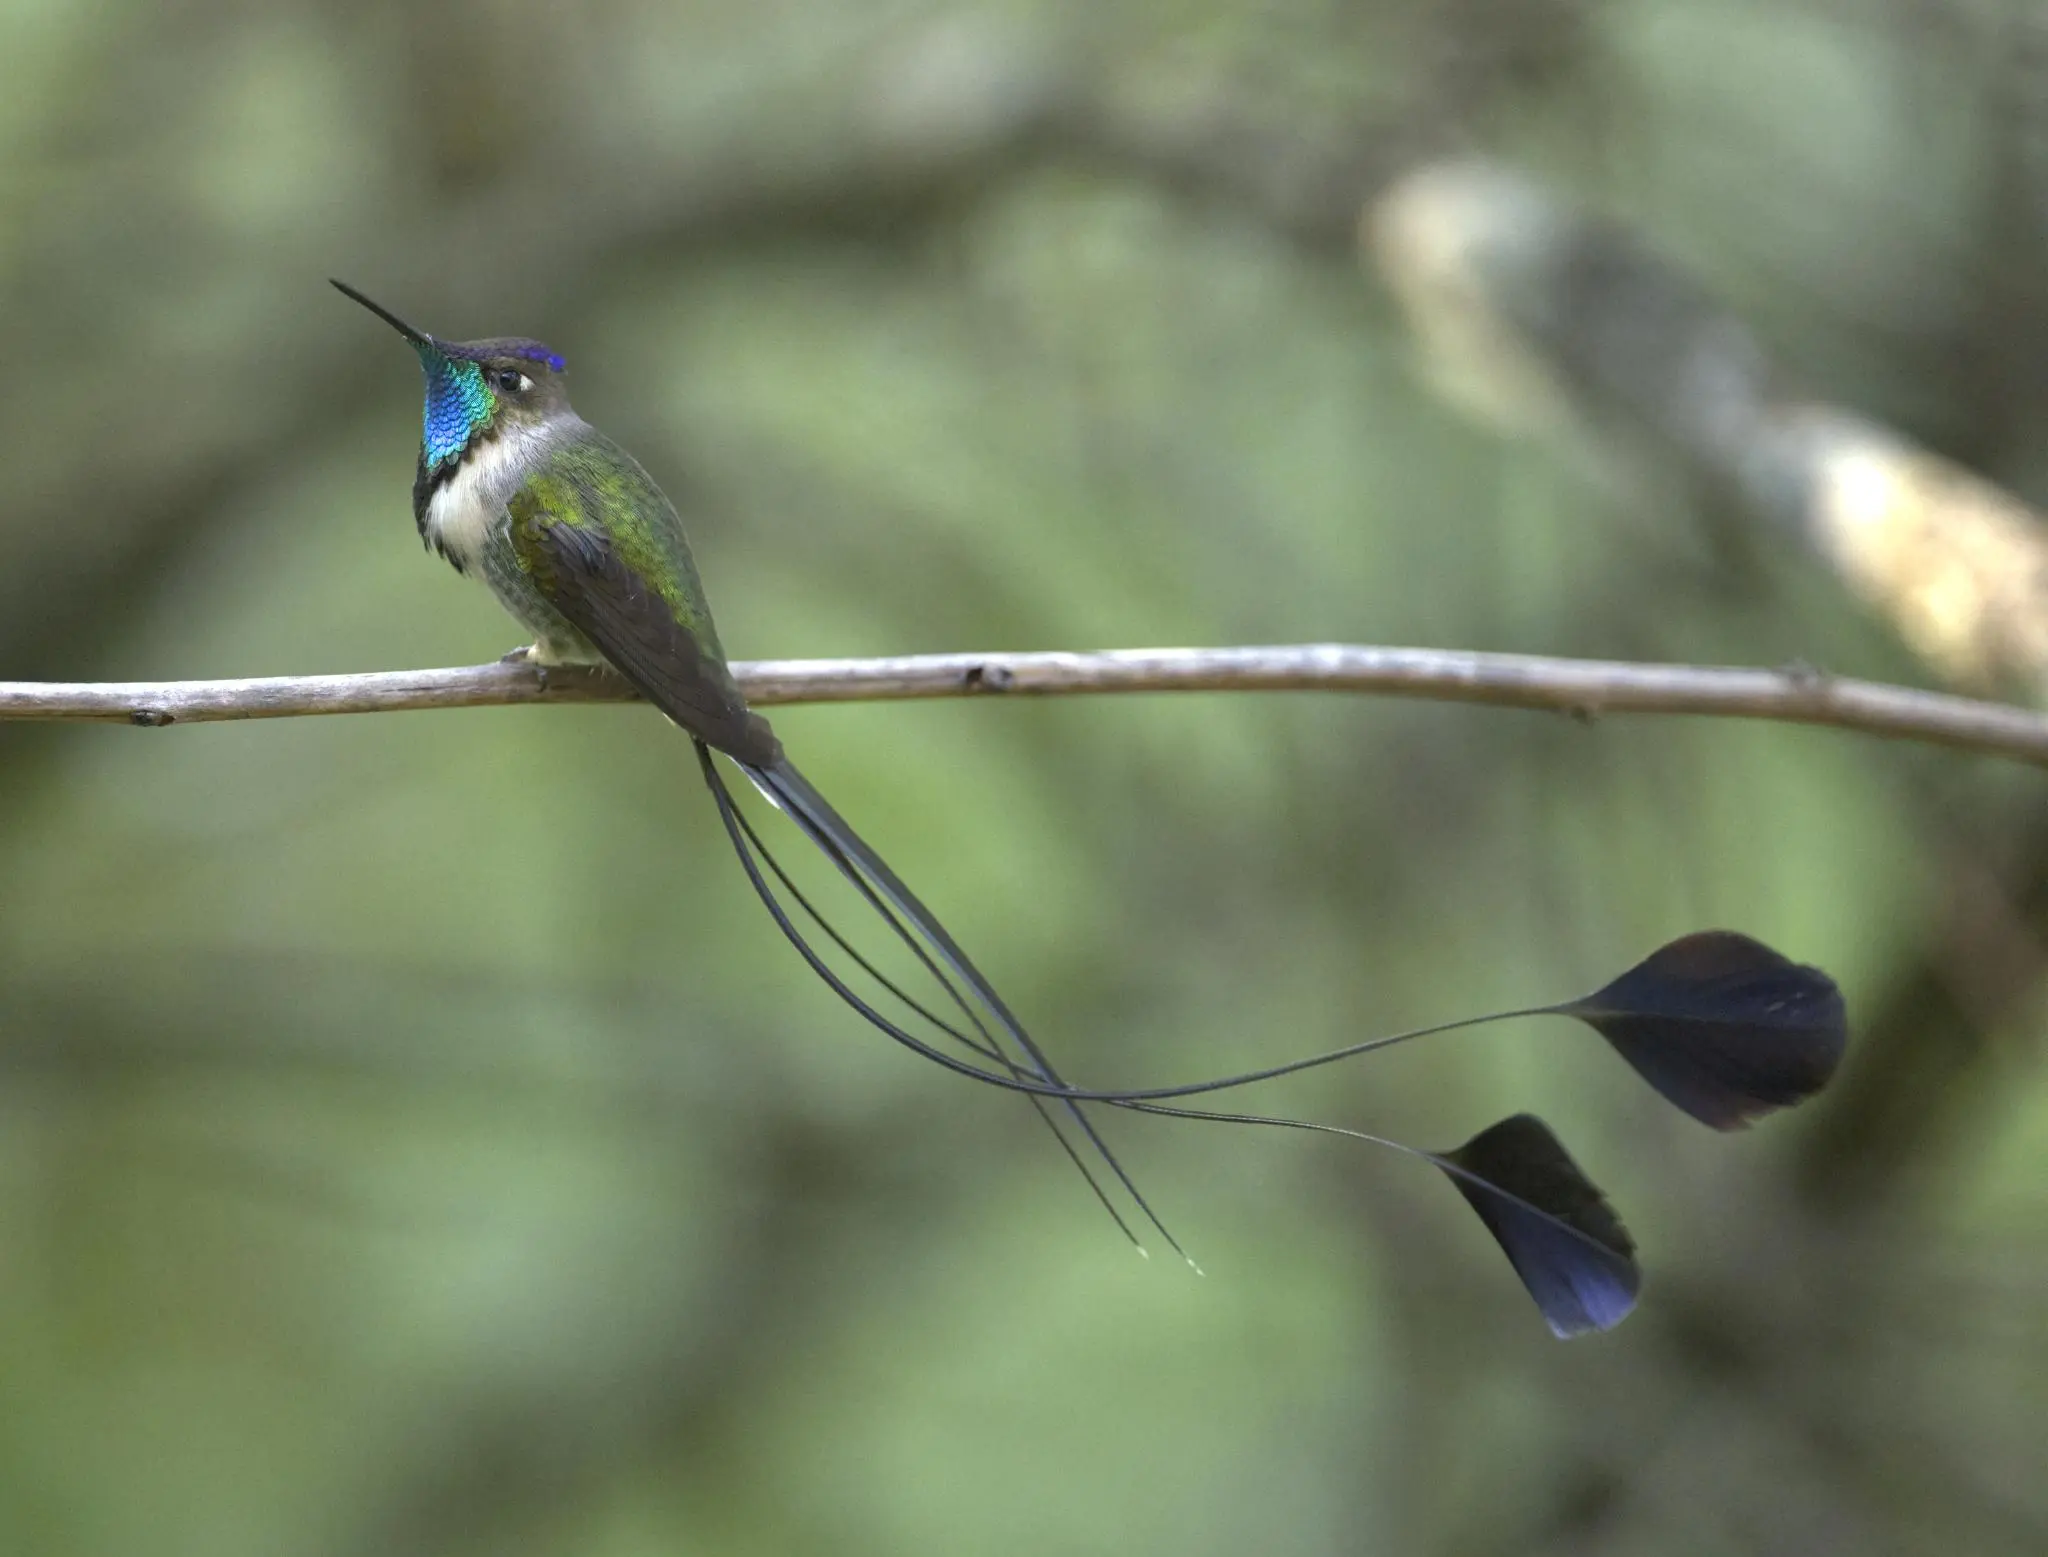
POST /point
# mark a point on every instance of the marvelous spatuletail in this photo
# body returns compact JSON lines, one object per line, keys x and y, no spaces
{"x":577,"y":542}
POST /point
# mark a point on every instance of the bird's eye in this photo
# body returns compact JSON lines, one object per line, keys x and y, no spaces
{"x":512,"y":381}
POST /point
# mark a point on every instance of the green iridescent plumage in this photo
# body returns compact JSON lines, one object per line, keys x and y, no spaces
{"x":591,"y":482}
{"x":458,"y":405}
{"x":596,"y":540}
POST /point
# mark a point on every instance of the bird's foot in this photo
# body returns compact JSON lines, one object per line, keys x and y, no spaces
{"x":530,"y":654}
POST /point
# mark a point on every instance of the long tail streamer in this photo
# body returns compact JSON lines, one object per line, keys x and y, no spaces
{"x":1720,"y":1024}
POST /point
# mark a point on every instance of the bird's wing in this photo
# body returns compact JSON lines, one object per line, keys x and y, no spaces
{"x":629,"y":586}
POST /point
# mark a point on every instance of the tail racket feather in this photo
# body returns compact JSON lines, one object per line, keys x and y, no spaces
{"x":1570,"y":1250}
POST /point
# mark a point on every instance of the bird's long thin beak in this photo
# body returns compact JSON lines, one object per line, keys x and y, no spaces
{"x":417,"y":337}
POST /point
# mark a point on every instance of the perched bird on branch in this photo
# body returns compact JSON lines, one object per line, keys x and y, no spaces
{"x":579,"y":544}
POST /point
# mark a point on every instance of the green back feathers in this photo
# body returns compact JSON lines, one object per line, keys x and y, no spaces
{"x":591,"y":483}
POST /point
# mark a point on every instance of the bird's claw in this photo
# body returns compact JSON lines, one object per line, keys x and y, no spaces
{"x":528,"y":654}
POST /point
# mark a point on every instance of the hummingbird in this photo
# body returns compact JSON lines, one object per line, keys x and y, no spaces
{"x":581,"y":547}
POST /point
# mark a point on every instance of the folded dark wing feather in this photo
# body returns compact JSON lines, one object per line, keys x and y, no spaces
{"x":583,"y":576}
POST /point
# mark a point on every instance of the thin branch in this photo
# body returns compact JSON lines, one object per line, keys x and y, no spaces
{"x":1584,"y":689}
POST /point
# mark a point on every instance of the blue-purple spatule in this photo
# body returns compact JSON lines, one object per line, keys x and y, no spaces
{"x":1556,"y":1228}
{"x":1723,"y":1026}
{"x":1717,"y":1022}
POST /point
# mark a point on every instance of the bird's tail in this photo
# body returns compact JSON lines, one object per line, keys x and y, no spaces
{"x":1718,"y":1023}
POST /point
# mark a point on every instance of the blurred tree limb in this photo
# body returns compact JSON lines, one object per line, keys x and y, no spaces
{"x":1531,"y":312}
{"x":1584,"y":689}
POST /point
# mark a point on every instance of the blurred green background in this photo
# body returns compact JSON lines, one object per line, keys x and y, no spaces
{"x":413,"y":1137}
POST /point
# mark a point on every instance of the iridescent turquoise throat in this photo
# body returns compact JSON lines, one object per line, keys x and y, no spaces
{"x":458,"y":403}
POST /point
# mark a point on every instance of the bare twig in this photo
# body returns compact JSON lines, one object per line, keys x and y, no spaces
{"x":1582,"y":688}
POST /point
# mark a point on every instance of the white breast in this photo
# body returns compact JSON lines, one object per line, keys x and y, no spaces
{"x":460,"y":515}
{"x":457,"y":523}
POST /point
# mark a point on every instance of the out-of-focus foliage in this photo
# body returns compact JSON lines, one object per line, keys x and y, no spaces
{"x":414,"y":1139}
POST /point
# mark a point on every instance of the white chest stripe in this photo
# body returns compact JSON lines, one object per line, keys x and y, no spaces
{"x":461,"y":514}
